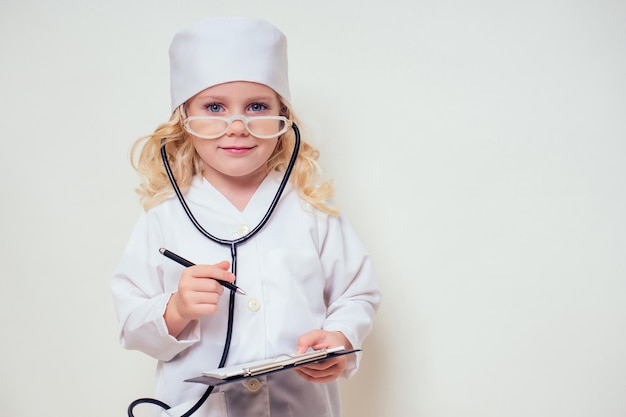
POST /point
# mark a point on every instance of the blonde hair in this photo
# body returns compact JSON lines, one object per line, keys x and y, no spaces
{"x":155,"y":185}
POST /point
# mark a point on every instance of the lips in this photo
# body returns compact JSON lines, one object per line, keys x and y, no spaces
{"x":236,"y":150}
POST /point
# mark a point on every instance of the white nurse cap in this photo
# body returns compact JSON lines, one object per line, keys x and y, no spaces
{"x":224,"y":49}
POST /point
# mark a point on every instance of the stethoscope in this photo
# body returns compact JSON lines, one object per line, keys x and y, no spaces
{"x":232,"y":244}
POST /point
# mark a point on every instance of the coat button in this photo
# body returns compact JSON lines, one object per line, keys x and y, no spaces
{"x":243,"y":230}
{"x":253,"y":385}
{"x":254,"y":304}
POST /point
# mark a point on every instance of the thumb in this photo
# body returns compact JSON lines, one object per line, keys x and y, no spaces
{"x":225,"y":265}
{"x":308,"y":340}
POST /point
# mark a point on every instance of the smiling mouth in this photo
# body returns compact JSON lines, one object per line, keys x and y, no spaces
{"x":237,"y":149}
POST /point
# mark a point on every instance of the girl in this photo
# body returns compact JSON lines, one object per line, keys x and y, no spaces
{"x":309,"y":282}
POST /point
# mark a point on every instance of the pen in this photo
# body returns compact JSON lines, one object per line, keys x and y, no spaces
{"x":186,"y":263}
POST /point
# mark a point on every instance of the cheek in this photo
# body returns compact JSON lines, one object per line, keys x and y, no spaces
{"x":205,"y":151}
{"x":271,"y":146}
{"x":201,"y":145}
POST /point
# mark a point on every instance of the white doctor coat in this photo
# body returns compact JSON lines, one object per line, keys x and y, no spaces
{"x":304,"y":270}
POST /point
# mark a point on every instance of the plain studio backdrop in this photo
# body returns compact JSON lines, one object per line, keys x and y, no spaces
{"x":477,"y":147}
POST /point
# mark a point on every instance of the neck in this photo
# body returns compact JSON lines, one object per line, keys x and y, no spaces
{"x":237,"y":190}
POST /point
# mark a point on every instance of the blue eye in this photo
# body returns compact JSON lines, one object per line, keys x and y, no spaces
{"x":214,"y":107}
{"x":257,"y":107}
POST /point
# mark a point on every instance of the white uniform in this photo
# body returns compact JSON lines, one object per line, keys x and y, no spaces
{"x":304,"y":270}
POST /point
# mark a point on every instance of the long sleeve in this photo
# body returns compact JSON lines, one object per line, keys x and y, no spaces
{"x":140,"y":296}
{"x":304,"y":270}
{"x":352,"y":293}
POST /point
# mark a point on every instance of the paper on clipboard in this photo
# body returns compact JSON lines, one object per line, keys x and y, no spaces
{"x":269,"y":365}
{"x":281,"y":363}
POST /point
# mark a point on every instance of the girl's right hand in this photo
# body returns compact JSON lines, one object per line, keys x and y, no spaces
{"x":198,"y":295}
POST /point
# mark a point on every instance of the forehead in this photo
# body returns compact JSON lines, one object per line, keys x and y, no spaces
{"x":238,"y":90}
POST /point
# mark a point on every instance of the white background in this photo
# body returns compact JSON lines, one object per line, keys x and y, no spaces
{"x":478,"y":148}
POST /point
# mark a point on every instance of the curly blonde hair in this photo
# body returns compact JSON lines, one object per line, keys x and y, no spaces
{"x":155,"y":186}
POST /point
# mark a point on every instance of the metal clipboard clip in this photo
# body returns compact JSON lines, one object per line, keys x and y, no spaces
{"x":292,"y":360}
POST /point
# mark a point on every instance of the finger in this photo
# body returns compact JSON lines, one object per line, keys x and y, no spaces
{"x":209,"y":285}
{"x":199,"y":285}
{"x":199,"y":310}
{"x":312,"y":339}
{"x":218,"y":271}
{"x":321,"y":366}
{"x":187,"y":299}
{"x":204,"y":297}
{"x":193,"y":304}
{"x":311,"y":375}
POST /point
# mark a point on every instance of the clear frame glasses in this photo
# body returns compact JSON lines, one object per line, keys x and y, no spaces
{"x":213,"y":127}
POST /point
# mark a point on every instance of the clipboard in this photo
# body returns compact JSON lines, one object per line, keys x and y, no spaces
{"x":221,"y":376}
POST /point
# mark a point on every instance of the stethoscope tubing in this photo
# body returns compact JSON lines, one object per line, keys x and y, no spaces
{"x":268,"y":213}
{"x":233,"y":254}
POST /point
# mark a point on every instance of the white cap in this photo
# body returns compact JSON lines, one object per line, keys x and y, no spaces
{"x":224,"y":49}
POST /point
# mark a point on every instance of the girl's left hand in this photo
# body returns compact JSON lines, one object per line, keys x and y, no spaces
{"x":328,"y":370}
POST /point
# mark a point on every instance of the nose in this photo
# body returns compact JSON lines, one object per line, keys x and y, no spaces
{"x":237,"y":127}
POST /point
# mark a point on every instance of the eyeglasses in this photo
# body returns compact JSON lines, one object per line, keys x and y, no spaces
{"x":213,"y":127}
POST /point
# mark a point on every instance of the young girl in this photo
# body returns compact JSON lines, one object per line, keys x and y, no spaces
{"x":308,"y":280}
